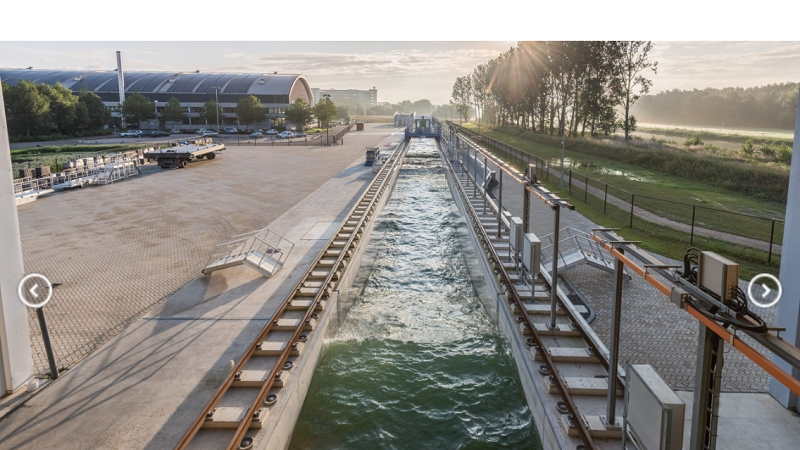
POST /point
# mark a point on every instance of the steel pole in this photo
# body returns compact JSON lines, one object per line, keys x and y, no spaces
{"x":500,"y":204}
{"x":48,"y":347}
{"x":613,"y":358}
{"x":554,"y":278}
{"x":561,"y":181}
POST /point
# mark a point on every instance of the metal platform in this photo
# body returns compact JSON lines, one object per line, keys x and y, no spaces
{"x":263,"y":250}
{"x":575,"y":248}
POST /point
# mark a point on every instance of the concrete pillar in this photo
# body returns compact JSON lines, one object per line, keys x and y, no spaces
{"x":788,"y":314}
{"x":15,"y":338}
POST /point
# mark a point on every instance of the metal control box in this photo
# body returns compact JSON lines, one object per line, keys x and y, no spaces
{"x":653,"y":412}
{"x":531,"y":253}
{"x":515,"y":232}
{"x":717,"y":274}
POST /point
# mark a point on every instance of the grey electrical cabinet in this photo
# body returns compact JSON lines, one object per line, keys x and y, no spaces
{"x":653,"y":412}
{"x":515,"y":232}
{"x":531,"y":253}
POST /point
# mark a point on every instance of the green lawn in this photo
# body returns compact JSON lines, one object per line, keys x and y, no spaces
{"x":656,"y":191}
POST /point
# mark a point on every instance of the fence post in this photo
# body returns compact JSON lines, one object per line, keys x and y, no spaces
{"x":691,"y":235}
{"x":771,"y":235}
{"x":632,"y":200}
{"x":586,"y":190}
{"x":605,"y":200}
{"x":570,"y":181}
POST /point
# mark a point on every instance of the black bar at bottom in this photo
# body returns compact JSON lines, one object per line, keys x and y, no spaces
{"x":48,"y":347}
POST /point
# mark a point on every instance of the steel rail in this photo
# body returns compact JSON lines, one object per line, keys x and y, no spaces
{"x":502,"y":165}
{"x":241,"y":430}
{"x":772,"y":342}
{"x":581,"y":427}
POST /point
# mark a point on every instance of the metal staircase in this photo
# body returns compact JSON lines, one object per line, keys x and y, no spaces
{"x":263,"y":250}
{"x":574,"y":248}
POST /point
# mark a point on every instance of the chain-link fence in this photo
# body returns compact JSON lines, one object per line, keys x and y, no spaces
{"x":703,"y":224}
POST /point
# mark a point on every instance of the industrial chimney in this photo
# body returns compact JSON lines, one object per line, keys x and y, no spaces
{"x":121,"y":81}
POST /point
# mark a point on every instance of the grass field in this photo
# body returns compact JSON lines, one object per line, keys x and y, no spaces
{"x":732,"y":132}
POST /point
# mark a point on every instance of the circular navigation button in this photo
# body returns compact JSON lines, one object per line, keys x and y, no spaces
{"x":766,"y":297}
{"x":35,"y":290}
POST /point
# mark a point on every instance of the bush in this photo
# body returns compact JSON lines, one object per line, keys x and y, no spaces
{"x":694,"y":140}
{"x":769,"y":148}
{"x":748,"y":148}
{"x":783,"y":154}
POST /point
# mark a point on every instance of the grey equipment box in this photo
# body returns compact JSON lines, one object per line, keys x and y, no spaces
{"x":653,"y":412}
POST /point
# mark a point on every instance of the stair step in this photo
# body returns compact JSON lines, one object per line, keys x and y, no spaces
{"x":569,"y":354}
{"x":596,"y":426}
{"x":232,"y":416}
{"x":303,"y":304}
{"x":562,"y":330}
{"x":275,"y":348}
{"x":583,"y":385}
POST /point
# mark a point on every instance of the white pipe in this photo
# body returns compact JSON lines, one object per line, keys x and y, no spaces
{"x":15,"y":338}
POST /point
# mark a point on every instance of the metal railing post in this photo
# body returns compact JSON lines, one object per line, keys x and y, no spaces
{"x":554,"y":277}
{"x":691,"y":234}
{"x":613,"y":357}
{"x":605,"y":199}
{"x":500,"y":204}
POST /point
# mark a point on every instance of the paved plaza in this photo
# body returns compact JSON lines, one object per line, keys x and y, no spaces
{"x":117,"y":251}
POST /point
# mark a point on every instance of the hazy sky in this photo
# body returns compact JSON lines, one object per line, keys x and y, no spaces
{"x":400,"y":70}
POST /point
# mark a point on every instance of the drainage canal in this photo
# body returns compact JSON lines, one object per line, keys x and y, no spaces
{"x":416,"y":364}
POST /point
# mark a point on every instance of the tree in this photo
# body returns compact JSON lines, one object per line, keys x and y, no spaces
{"x":62,"y":107}
{"x":98,"y":114}
{"x":138,"y":108}
{"x":325,"y":111}
{"x":173,"y":111}
{"x":26,"y":108}
{"x":299,"y":113}
{"x":250,"y":110}
{"x":631,"y":84}
{"x":343,"y":112}
{"x":211,"y":112}
{"x":462,"y":96}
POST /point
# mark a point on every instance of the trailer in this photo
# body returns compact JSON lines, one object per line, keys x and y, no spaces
{"x":181,"y":153}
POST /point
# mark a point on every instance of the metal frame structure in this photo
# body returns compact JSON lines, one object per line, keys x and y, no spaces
{"x":712,"y":335}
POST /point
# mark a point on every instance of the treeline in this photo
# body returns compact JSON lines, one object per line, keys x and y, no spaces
{"x":770,"y":106}
{"x":40,"y":111}
{"x":567,"y":88}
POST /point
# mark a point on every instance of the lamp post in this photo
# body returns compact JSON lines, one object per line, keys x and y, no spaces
{"x":216,"y":99}
{"x":327,"y":98}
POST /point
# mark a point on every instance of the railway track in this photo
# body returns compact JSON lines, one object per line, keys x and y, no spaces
{"x":573,"y":363}
{"x":241,"y":406}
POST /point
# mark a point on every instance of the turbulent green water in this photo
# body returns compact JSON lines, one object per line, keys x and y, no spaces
{"x":417,"y":364}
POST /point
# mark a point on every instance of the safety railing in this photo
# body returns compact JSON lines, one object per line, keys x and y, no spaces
{"x":573,"y":240}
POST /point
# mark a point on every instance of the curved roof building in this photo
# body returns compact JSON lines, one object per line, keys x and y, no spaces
{"x":193,"y":89}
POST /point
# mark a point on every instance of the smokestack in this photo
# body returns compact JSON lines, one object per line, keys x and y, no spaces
{"x":121,"y":81}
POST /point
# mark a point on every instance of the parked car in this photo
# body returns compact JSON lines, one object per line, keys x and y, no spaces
{"x":175,"y":131}
{"x":256,"y":134}
{"x":299,"y":134}
{"x":209,"y":133}
{"x":231,"y":130}
{"x":272,"y":131}
{"x":157,"y":133}
{"x":131,"y":133}
{"x":286,"y":135}
{"x":200,"y":131}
